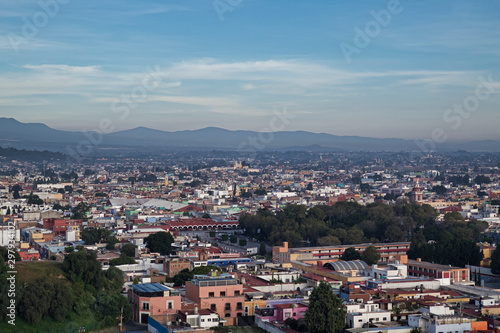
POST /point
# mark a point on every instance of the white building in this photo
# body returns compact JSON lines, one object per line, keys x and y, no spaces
{"x":361,"y":315}
{"x":390,"y":272}
{"x":8,"y":233}
{"x":440,"y":319}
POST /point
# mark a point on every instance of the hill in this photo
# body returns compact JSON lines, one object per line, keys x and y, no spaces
{"x":39,"y":136}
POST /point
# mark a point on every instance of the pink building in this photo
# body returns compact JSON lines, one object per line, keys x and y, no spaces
{"x":221,"y":293}
{"x":152,"y":299}
{"x":281,"y":312}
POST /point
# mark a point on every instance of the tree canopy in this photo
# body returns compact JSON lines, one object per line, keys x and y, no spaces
{"x":326,"y":313}
{"x":370,"y":255}
{"x":350,"y":254}
{"x":343,"y":223}
{"x":160,"y":242}
{"x":495,"y":261}
{"x":129,"y":250}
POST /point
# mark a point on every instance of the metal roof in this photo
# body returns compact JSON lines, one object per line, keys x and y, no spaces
{"x":149,"y":287}
{"x":347,"y":265}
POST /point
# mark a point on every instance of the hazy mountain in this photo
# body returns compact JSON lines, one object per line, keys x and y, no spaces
{"x":39,"y":136}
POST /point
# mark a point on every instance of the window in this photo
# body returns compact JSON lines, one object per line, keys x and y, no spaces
{"x":227,"y":315}
{"x":145,"y":305}
{"x":211,"y":294}
{"x":385,"y":318}
{"x":236,"y":293}
{"x":202,"y":320}
{"x":287,"y":315}
{"x":222,"y":293}
{"x":227,"y":307}
{"x":209,"y":319}
{"x":213,"y":307}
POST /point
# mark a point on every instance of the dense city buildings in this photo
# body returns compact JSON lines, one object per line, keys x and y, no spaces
{"x":400,"y":242}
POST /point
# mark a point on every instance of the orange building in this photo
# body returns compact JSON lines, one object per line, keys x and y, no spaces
{"x":388,"y":252}
{"x":221,"y":293}
{"x":175,"y":266}
{"x":421,"y":268}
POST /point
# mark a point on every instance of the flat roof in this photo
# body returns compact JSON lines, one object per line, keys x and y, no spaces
{"x":427,"y":264}
{"x":150,"y":287}
{"x":314,"y":248}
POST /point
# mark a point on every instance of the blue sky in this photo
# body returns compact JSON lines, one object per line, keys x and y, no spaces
{"x":331,"y":65}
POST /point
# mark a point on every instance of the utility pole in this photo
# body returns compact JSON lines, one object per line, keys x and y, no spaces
{"x":121,"y":319}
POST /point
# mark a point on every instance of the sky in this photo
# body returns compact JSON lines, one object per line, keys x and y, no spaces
{"x":386,"y":69}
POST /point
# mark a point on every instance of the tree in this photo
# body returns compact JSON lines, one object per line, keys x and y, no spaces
{"x":262,"y":249}
{"x":115,"y":277}
{"x":93,"y":236}
{"x":350,"y":254}
{"x":309,"y":187}
{"x":243,"y":242}
{"x":129,"y":250}
{"x":370,"y":255}
{"x":80,"y":211}
{"x":326,"y":313}
{"x":160,"y":242}
{"x":260,"y":191}
{"x":481,"y":179}
{"x":439,"y":189}
{"x":82,"y":266}
{"x":122,"y":260}
{"x":42,"y":298}
{"x":186,"y":275}
{"x":453,"y":217}
{"x":233,"y":239}
{"x":328,"y":240}
{"x":495,"y":261}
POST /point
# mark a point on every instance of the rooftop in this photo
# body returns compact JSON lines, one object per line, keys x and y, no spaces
{"x":149,"y":288}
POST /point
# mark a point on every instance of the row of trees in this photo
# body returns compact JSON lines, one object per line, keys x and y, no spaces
{"x":352,"y":223}
{"x":454,"y":237}
{"x":342,"y":223}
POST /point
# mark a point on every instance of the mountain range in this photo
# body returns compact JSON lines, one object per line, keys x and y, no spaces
{"x":40,"y":136}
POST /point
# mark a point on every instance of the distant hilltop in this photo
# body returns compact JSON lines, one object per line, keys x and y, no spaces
{"x":40,"y":136}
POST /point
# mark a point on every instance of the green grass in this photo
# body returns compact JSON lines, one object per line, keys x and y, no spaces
{"x":49,"y":325}
{"x":28,"y":271}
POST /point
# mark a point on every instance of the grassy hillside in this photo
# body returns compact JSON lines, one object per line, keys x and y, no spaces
{"x":27,"y":273}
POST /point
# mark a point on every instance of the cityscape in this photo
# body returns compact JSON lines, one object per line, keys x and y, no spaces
{"x":248,"y":166}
